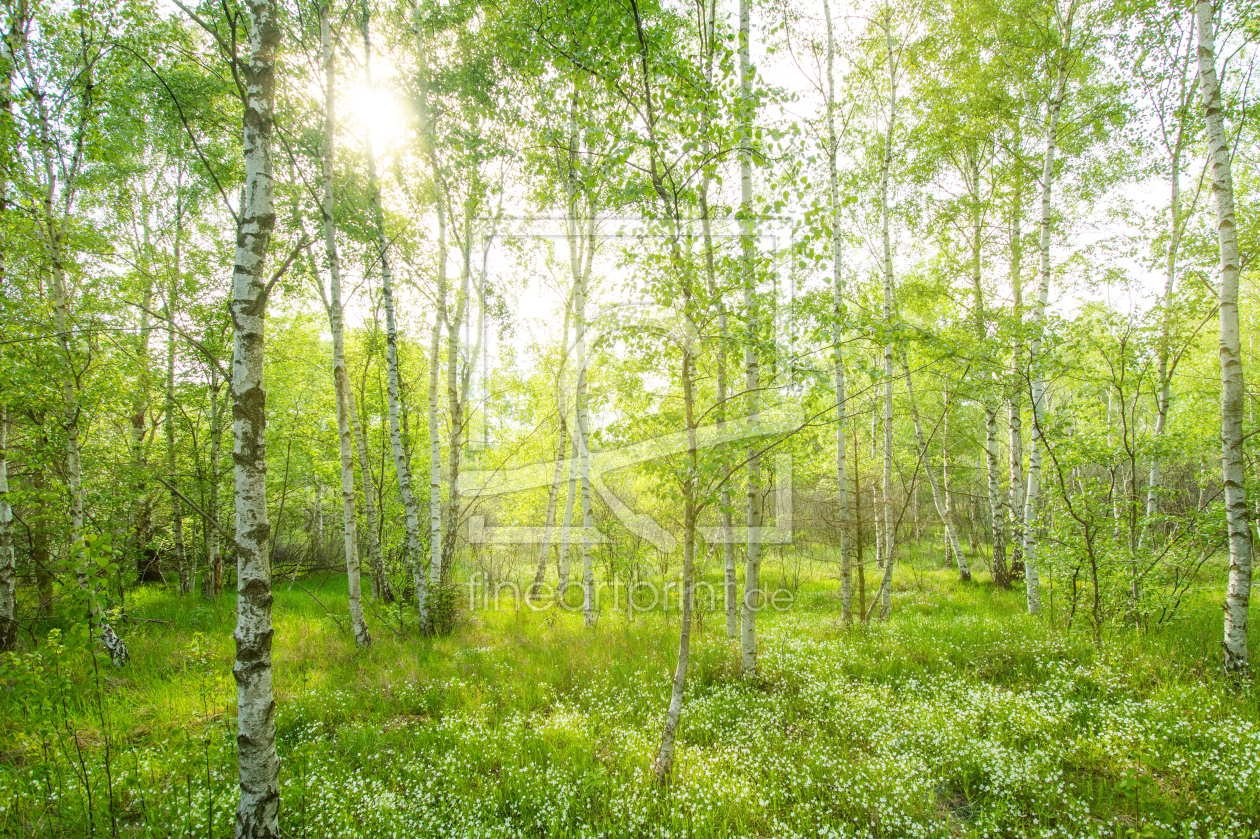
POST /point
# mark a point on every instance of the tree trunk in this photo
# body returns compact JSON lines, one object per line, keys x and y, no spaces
{"x":8,"y":562}
{"x":341,"y":378}
{"x":402,"y":467}
{"x":664,"y":763}
{"x":997,"y":503}
{"x":752,"y":365}
{"x":940,"y":494}
{"x":168,"y":423}
{"x":1233,"y":385}
{"x":259,"y":768}
{"x":884,"y":212}
{"x":1032,"y":583}
{"x":837,"y":334}
{"x":381,"y":588}
{"x":8,"y":565}
{"x":454,"y":350}
{"x":1164,"y":373}
{"x":562,"y":441}
{"x":951,"y":527}
{"x":1019,"y":369}
{"x":186,"y":570}
{"x":213,"y":556}
{"x":562,"y":571}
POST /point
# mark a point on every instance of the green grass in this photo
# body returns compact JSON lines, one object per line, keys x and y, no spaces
{"x":959,"y":717}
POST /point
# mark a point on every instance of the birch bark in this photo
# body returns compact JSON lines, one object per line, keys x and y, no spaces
{"x":1032,"y":582}
{"x":1233,"y":384}
{"x":582,"y":419}
{"x":168,"y":423}
{"x":1019,"y":369}
{"x":8,"y":561}
{"x":213,"y":556}
{"x":8,"y":565}
{"x":562,"y":442}
{"x":257,"y":812}
{"x":1175,"y":149}
{"x":341,"y":378}
{"x":730,"y":580}
{"x":885,"y":172}
{"x":752,"y":365}
{"x":838,"y":319}
{"x":402,"y":468}
{"x":997,"y":503}
{"x":376,"y":560}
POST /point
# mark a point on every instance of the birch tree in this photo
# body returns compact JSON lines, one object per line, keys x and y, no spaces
{"x":839,"y":316}
{"x":1054,"y":107}
{"x":1233,"y":383}
{"x":752,"y":364}
{"x":257,"y":812}
{"x":402,"y":467}
{"x":8,"y":559}
{"x":332,"y":304}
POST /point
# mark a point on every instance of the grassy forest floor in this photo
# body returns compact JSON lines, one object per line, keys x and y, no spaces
{"x":959,"y":717}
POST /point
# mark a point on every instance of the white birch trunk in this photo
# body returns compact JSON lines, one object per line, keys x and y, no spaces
{"x":376,"y":560}
{"x":259,"y":768}
{"x":562,"y":442}
{"x":1164,"y":374}
{"x":997,"y":503}
{"x":341,"y":378}
{"x":454,"y":349}
{"x":402,"y":467}
{"x":213,"y":556}
{"x":884,"y":211}
{"x":1233,"y":385}
{"x":752,"y":365}
{"x":837,"y":333}
{"x":562,"y":571}
{"x":168,"y":423}
{"x":8,"y":565}
{"x":1032,"y":582}
{"x":730,"y":580}
{"x":582,"y":419}
{"x":1015,"y":475}
{"x":663,"y":765}
{"x":951,"y":527}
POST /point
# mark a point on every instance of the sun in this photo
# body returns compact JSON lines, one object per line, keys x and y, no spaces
{"x":377,"y":114}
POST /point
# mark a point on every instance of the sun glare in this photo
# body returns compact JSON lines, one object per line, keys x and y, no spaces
{"x":376,"y":113}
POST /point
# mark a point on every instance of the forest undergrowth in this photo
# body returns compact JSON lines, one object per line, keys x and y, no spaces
{"x":959,"y":717}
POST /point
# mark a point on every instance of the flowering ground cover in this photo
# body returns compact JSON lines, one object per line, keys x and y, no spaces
{"x":960,"y":717}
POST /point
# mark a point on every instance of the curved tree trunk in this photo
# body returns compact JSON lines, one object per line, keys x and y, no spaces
{"x":940,"y":494}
